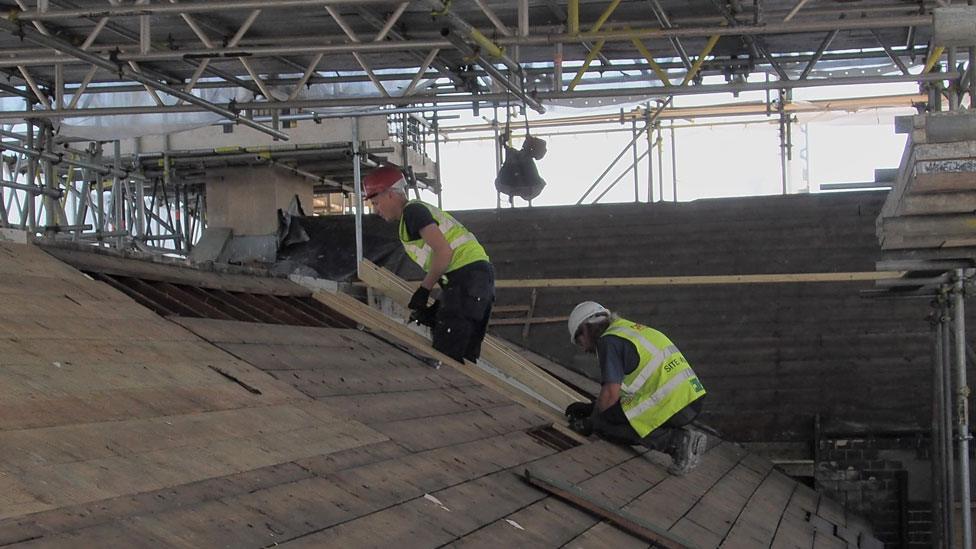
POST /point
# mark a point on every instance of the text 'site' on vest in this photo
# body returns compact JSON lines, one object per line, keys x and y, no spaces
{"x":663,"y":382}
{"x":465,"y":247}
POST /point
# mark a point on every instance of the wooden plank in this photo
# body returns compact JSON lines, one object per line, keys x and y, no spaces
{"x":669,"y":500}
{"x":436,"y":431}
{"x":393,"y":482}
{"x":583,"y":462}
{"x":546,"y":523}
{"x":586,"y":386}
{"x":104,"y":477}
{"x":325,"y":384}
{"x":718,"y":509}
{"x":826,"y":540}
{"x":67,"y":444}
{"x":617,"y":476}
{"x":527,"y":321}
{"x":375,"y":320}
{"x":367,"y":454}
{"x":377,"y":408}
{"x":757,"y":523}
{"x":832,"y":511}
{"x":210,"y":524}
{"x":79,"y":517}
{"x":629,"y":523}
{"x":493,"y":350}
{"x":503,"y":309}
{"x":167,"y":272}
{"x":218,"y":331}
{"x":941,"y":151}
{"x":431,"y":519}
{"x":604,"y":535}
{"x":789,"y":278}
{"x":794,"y":530}
{"x":945,"y":203}
{"x":944,"y":226}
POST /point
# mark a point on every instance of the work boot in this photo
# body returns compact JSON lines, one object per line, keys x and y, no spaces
{"x":689,"y":451}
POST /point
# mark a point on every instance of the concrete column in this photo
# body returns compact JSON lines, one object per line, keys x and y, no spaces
{"x":246,"y":201}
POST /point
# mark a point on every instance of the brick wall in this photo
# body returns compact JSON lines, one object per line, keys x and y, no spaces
{"x":871,"y":476}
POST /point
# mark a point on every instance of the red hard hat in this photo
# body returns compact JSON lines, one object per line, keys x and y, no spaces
{"x":381,"y":179}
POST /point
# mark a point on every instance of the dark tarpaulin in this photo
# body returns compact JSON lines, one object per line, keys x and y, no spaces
{"x":330,"y":251}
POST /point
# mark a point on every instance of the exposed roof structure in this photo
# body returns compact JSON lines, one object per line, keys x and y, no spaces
{"x":142,"y":430}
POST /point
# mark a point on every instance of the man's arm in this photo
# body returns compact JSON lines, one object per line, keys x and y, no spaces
{"x":609,"y":395}
{"x":442,"y":254}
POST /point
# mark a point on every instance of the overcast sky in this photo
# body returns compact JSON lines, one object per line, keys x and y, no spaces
{"x":736,"y":160}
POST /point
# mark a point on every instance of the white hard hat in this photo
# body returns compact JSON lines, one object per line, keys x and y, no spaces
{"x":584,"y":312}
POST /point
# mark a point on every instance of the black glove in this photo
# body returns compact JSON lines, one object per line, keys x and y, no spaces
{"x":583,"y":426}
{"x":426,"y":316}
{"x":419,"y":299}
{"x":578,"y":410}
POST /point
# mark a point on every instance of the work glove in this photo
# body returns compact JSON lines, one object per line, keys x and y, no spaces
{"x":419,"y":299}
{"x":578,"y":410}
{"x":583,"y":426}
{"x":425,"y":316}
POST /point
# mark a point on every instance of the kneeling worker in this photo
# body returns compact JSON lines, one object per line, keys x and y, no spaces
{"x":649,"y":394}
{"x":450,"y":255}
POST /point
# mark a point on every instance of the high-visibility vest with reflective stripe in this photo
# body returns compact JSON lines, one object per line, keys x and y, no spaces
{"x":663,"y":382}
{"x":465,"y":247}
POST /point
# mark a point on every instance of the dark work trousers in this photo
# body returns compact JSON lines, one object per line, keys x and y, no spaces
{"x":613,"y":425}
{"x":465,"y":306}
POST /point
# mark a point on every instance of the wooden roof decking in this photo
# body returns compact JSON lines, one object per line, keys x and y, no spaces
{"x":102,"y":398}
{"x":138,"y":440}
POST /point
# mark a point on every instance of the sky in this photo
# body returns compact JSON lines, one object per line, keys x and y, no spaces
{"x":719,"y":161}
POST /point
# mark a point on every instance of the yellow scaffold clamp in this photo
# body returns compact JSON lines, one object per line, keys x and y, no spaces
{"x":439,"y":13}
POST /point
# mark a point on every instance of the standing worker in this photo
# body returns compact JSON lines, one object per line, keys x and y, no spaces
{"x":450,"y":255}
{"x":649,"y":394}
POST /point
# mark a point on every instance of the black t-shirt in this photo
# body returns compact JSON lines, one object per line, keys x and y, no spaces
{"x":618,"y":357}
{"x":416,"y":216}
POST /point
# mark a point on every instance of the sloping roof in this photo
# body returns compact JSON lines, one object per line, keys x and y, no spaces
{"x":122,"y":428}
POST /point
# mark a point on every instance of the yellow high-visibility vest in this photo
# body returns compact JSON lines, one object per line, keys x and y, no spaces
{"x":663,"y":382}
{"x":465,"y":247}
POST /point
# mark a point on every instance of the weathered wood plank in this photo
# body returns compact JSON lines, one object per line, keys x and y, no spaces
{"x":101,"y":262}
{"x":673,"y":497}
{"x":400,"y":333}
{"x":453,"y":512}
{"x":84,"y":516}
{"x":546,"y":523}
{"x":632,"y":524}
{"x":106,"y":477}
{"x":437,"y":431}
{"x":493,"y":350}
{"x":794,"y":530}
{"x":376,"y":408}
{"x":719,"y":508}
{"x":604,"y":535}
{"x":759,"y":519}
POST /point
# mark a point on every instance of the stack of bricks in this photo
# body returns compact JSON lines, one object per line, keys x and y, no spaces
{"x":929,"y":211}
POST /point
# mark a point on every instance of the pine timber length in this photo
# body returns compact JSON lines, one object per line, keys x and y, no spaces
{"x":629,"y":523}
{"x":698,"y":280}
{"x":381,"y":324}
{"x":494,"y":350}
